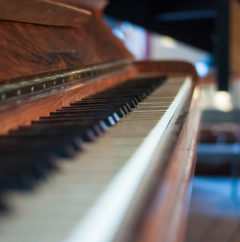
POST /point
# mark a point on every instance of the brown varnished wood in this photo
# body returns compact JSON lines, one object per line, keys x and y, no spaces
{"x":166,"y":215}
{"x":44,"y":12}
{"x":27,"y":49}
{"x":87,"y":4}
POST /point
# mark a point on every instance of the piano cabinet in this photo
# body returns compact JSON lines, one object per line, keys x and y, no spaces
{"x":146,"y":117}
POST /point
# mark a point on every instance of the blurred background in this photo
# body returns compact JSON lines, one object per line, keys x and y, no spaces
{"x":207,"y":34}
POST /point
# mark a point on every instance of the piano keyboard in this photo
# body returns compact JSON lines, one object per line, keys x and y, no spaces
{"x":87,"y":162}
{"x":62,"y":132}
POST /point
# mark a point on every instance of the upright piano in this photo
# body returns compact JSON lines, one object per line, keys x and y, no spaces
{"x":94,"y":146}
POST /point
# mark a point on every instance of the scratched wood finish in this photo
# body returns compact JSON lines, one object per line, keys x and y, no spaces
{"x":165,"y":219}
{"x":28,"y":49}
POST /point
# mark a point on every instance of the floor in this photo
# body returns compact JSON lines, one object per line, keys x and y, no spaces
{"x":214,"y":210}
{"x":215,"y":204}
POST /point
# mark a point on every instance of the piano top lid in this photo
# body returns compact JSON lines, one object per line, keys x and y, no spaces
{"x":86,"y":4}
{"x":44,"y":12}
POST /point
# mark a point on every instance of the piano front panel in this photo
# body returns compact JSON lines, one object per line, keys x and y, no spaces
{"x":28,"y":49}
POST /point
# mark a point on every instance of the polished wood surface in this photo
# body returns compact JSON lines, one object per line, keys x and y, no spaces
{"x":86,"y":4}
{"x":28,"y":49}
{"x":45,"y":12}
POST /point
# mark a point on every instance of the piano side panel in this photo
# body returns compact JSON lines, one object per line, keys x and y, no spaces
{"x":28,"y":49}
{"x":166,"y":216}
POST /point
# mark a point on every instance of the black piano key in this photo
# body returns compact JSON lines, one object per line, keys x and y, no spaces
{"x":109,"y":120}
{"x":21,"y":171}
{"x":63,"y":147}
{"x":122,"y":111}
{"x":98,"y":126}
{"x":84,"y":114}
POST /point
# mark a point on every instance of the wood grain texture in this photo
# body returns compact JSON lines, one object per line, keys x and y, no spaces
{"x":44,"y":12}
{"x":166,"y":217}
{"x":28,"y":49}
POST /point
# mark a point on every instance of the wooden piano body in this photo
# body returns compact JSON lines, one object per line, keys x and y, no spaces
{"x":54,"y":53}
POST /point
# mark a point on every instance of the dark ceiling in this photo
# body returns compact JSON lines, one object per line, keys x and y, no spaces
{"x":203,"y":24}
{"x":190,"y":21}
